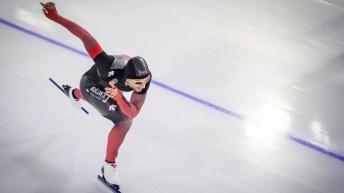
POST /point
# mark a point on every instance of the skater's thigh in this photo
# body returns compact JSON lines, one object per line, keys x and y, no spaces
{"x":96,"y":97}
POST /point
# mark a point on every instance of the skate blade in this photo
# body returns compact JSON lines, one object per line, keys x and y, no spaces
{"x":61,"y":89}
{"x":113,"y":188}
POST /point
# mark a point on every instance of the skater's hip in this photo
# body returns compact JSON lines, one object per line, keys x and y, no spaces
{"x":95,"y":95}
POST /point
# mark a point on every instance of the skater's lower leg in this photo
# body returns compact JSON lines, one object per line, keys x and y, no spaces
{"x":115,"y":139}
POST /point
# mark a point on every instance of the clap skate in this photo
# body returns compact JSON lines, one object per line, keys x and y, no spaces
{"x":67,"y":90}
{"x":110,"y":177}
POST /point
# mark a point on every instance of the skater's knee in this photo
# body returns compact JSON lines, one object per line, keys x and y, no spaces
{"x":124,"y":123}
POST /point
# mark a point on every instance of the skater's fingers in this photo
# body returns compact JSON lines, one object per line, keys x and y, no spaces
{"x":111,"y":94}
{"x":110,"y":89}
{"x":45,"y":12}
{"x":45,"y":5}
{"x":51,"y":5}
{"x":44,"y":8}
{"x":112,"y":84}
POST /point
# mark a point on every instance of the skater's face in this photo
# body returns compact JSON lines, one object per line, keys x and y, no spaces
{"x":137,"y":84}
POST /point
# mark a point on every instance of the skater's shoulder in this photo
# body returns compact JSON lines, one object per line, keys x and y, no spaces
{"x":119,"y":61}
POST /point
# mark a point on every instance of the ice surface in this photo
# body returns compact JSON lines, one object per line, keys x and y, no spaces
{"x":277,"y":63}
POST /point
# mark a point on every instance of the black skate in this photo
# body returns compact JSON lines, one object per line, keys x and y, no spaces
{"x":66,"y":89}
{"x":113,"y":188}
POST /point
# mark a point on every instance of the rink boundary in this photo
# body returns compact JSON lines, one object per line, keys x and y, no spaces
{"x":195,"y":99}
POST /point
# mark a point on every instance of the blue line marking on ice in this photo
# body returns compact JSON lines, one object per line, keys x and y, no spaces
{"x":233,"y":114}
{"x":42,"y":37}
{"x":316,"y":148}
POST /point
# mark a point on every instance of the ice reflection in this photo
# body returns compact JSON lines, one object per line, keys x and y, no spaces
{"x":320,"y":136}
{"x":270,"y":122}
{"x":33,"y":19}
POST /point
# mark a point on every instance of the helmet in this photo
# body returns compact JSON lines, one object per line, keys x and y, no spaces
{"x":136,"y":68}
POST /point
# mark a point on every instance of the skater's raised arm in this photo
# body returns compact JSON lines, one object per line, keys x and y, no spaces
{"x":92,"y":46}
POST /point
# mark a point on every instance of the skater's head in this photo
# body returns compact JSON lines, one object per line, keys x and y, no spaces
{"x":136,"y":73}
{"x":136,"y":68}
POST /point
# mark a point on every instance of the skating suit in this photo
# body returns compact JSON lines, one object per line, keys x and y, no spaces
{"x":92,"y":85}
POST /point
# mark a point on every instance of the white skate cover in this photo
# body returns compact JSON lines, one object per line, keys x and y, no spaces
{"x":75,"y":103}
{"x":110,"y":177}
{"x":111,"y":174}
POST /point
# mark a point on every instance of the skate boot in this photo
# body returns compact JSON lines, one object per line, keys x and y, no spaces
{"x":110,"y":173}
{"x":69,"y":92}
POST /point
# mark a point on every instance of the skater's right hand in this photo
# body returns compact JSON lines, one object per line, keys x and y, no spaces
{"x":50,"y":11}
{"x":112,"y":91}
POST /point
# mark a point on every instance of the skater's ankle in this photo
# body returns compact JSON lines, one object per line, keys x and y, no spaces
{"x":113,"y":164}
{"x":110,"y":161}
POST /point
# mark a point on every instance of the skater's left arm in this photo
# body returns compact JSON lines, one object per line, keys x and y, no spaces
{"x":91,"y":45}
{"x":130,"y":109}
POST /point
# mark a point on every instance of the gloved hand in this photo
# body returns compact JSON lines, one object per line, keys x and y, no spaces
{"x":113,"y":91}
{"x":50,"y":11}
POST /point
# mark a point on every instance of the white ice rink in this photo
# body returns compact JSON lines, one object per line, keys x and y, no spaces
{"x":247,"y":97}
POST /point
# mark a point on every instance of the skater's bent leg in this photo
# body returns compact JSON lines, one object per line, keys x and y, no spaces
{"x":77,"y":94}
{"x":115,"y":139}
